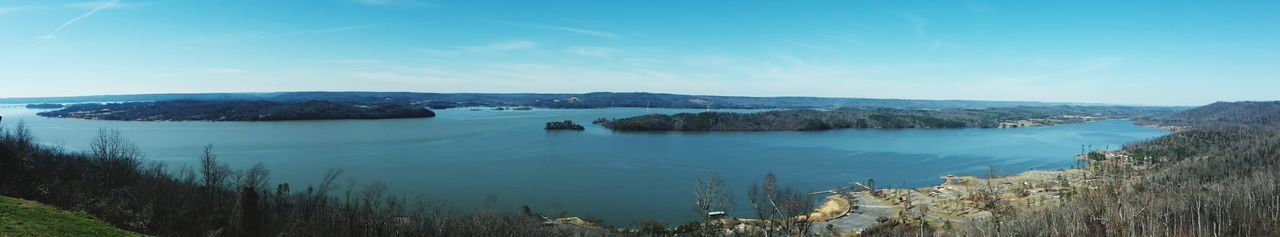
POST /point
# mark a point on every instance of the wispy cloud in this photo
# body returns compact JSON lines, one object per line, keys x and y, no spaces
{"x":937,"y":44}
{"x":90,"y":5}
{"x":1066,"y":69}
{"x":592,"y":51}
{"x":980,"y":8}
{"x":318,"y":31}
{"x":813,"y":45}
{"x":569,"y":29}
{"x":917,"y":22}
{"x":337,"y":29}
{"x":101,"y":6}
{"x":847,"y":39}
{"x":405,"y":3}
{"x":223,"y":70}
{"x":1098,"y":65}
{"x":503,"y":46}
{"x":494,"y":47}
{"x":7,"y":10}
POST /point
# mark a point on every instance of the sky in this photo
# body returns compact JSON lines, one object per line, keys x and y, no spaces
{"x":1123,"y":52}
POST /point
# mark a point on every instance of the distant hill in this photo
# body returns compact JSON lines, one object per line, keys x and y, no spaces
{"x":26,"y":218}
{"x":561,"y":100}
{"x":1245,"y":112}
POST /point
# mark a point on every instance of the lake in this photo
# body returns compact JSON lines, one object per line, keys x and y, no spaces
{"x":466,"y":156}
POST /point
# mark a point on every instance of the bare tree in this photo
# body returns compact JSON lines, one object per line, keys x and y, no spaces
{"x":711,"y":197}
{"x":214,"y":174}
{"x":758,"y":204}
{"x":794,"y":208}
{"x":257,"y":176}
{"x":781,"y":210}
{"x":118,"y":156}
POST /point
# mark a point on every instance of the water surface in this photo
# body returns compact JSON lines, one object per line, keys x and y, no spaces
{"x":465,"y":156}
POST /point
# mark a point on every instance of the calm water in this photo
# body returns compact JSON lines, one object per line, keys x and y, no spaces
{"x":465,"y":156}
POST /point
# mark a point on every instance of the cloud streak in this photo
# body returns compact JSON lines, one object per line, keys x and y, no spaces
{"x":7,"y":10}
{"x":591,"y":51}
{"x":223,"y":70}
{"x":318,"y":31}
{"x":503,"y":46}
{"x":1098,"y":65}
{"x":918,"y":22}
{"x":582,"y":31}
{"x":96,"y":4}
{"x":55,"y":31}
{"x":408,"y":3}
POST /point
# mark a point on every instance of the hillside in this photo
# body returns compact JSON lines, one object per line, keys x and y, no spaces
{"x":1246,"y":112}
{"x":26,"y":218}
{"x":1215,"y":177}
{"x":560,"y":100}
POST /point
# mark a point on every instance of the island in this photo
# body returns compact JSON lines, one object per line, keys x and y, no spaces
{"x":238,"y":110}
{"x":564,"y":125}
{"x":44,"y":106}
{"x":811,"y":120}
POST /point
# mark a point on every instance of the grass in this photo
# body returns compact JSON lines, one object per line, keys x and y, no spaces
{"x":27,"y":218}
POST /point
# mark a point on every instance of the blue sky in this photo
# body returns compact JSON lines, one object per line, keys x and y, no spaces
{"x":1131,"y":52}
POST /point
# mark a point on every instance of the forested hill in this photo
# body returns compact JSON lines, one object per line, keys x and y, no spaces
{"x":1245,"y":112}
{"x":804,"y":119}
{"x":563,"y":100}
{"x":237,"y":110}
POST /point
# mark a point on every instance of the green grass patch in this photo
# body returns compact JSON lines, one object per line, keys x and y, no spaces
{"x":27,"y":218}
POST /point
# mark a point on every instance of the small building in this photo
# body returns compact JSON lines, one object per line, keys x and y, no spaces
{"x":715,"y":214}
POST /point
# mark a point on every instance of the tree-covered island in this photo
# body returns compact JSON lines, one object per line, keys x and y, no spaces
{"x":811,"y":120}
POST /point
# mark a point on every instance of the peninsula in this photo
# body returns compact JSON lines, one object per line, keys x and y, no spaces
{"x":44,"y":106}
{"x":237,"y":110}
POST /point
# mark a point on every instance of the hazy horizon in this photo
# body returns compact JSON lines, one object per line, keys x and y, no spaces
{"x":1147,"y":53}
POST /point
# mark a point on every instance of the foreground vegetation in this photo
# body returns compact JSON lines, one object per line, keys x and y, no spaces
{"x":807,"y":120}
{"x":26,"y":218}
{"x":1216,"y":176}
{"x":238,"y":110}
